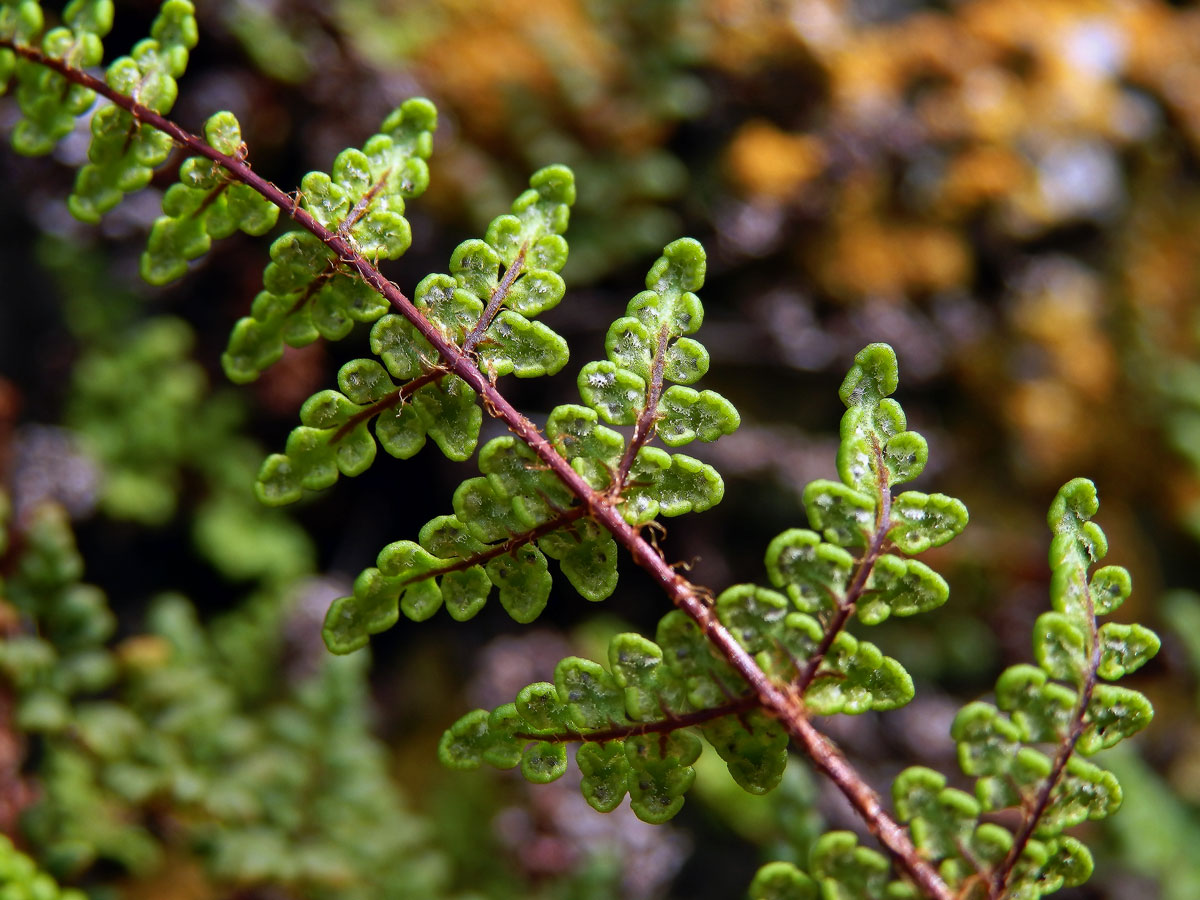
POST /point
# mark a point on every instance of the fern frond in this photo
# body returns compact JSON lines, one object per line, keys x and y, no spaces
{"x":206,"y":204}
{"x":631,"y":720}
{"x":49,"y":103}
{"x":518,"y":513}
{"x":125,"y":152}
{"x":486,"y":314}
{"x":307,"y":291}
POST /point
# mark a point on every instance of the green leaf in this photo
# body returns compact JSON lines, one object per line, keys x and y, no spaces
{"x":464,"y":743}
{"x":1125,"y":649}
{"x":660,"y":773}
{"x":448,"y":538}
{"x":991,"y":843}
{"x":1110,"y":586}
{"x":475,"y":307}
{"x":450,"y":415}
{"x":124,"y":153}
{"x":814,"y":573}
{"x":415,"y":579}
{"x":904,"y":457}
{"x":514,"y":472}
{"x":402,"y":349}
{"x":1069,"y":864}
{"x":540,"y":706}
{"x":505,"y":747}
{"x":1113,"y":714}
{"x":640,"y":499}
{"x":1041,"y":710}
{"x":875,"y":449}
{"x":847,"y":871}
{"x":987,"y":741}
{"x":616,"y":394}
{"x":844,"y":515}
{"x":593,"y":450}
{"x":901,"y":587}
{"x":711,"y":681}
{"x":856,"y":677}
{"x":685,"y":415}
{"x":782,"y":881}
{"x":1077,"y":544}
{"x":1024,"y":882}
{"x":463,"y":592}
{"x":629,"y":346}
{"x":485,"y":512}
{"x":334,"y":437}
{"x":593,"y":698}
{"x":514,"y":345}
{"x":669,"y":300}
{"x":543,"y":762}
{"x":372,"y":608}
{"x":400,"y":431}
{"x":523,"y":580}
{"x":753,"y":615}
{"x":925,"y":520}
{"x":605,"y":769}
{"x":689,"y":485}
{"x":1027,"y":770}
{"x":941,"y":819}
{"x":652,"y":690}
{"x":206,"y":204}
{"x":796,"y":643}
{"x":874,"y":375}
{"x":450,"y":309}
{"x":587,"y":555}
{"x":754,"y":747}
{"x":1085,"y":792}
{"x":685,"y":362}
{"x":634,"y":659}
{"x":1060,"y":647}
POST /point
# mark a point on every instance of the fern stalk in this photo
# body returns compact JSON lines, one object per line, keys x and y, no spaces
{"x":862,"y":574}
{"x":784,"y":703}
{"x":1029,"y":824}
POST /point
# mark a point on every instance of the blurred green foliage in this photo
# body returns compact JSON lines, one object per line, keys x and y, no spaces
{"x":1003,"y":190}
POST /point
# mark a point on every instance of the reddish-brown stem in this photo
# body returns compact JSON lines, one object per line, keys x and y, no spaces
{"x":1000,"y":877}
{"x":399,"y":395}
{"x":663,"y":726}
{"x":313,"y":287}
{"x":210,"y":198}
{"x":644,"y":429}
{"x":364,"y":203}
{"x":849,"y":601}
{"x":499,"y":294}
{"x":776,"y":700}
{"x":517,"y":540}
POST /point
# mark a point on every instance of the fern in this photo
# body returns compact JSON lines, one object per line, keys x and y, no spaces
{"x":747,"y":669}
{"x":1059,"y":704}
{"x":20,"y":877}
{"x":192,"y":723}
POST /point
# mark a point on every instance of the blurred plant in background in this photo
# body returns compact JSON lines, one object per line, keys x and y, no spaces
{"x":1005,"y":190}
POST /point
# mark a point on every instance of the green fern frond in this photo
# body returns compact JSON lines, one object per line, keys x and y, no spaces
{"x":632,"y":721}
{"x":508,"y":521}
{"x":307,"y":293}
{"x":124,"y":153}
{"x":206,"y":204}
{"x":49,"y":103}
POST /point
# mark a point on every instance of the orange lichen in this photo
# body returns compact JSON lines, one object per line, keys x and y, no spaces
{"x":772,"y":164}
{"x":982,"y":174}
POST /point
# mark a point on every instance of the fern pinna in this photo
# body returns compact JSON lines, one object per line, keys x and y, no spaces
{"x":747,"y":670}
